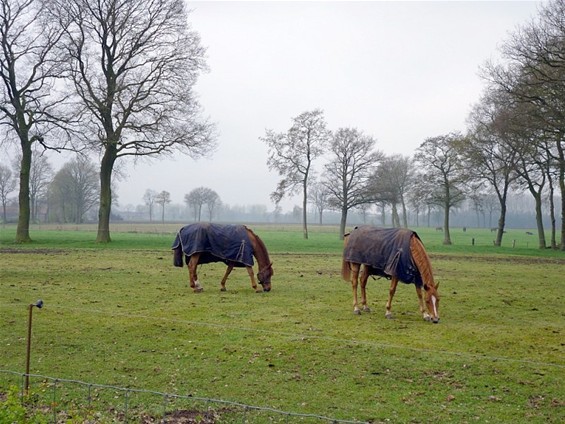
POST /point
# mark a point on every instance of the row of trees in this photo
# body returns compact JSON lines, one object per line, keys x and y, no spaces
{"x":198,"y":199}
{"x":515,"y":140}
{"x":114,"y":77}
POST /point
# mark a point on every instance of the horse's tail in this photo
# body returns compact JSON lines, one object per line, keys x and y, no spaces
{"x":177,"y":256}
{"x":345,"y":268}
{"x":422,"y":260}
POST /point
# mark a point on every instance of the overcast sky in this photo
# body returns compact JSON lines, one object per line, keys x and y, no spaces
{"x":399,"y":71}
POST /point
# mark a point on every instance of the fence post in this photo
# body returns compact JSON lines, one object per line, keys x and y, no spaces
{"x":39,"y":304}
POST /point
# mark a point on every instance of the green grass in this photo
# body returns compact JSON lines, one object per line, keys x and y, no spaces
{"x":121,"y":314}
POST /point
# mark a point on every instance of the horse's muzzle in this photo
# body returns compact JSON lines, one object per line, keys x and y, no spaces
{"x":266,"y":287}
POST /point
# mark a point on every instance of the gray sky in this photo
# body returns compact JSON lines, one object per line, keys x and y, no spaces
{"x":398,"y":71}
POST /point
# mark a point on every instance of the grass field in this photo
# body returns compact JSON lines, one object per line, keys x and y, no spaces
{"x":122,"y":315}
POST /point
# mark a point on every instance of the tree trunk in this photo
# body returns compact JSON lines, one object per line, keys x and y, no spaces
{"x":501,"y":224}
{"x":104,"y":211}
{"x":539,"y":221}
{"x":342,"y":222}
{"x":22,"y":231}
{"x":446,"y":235}
{"x":561,"y":161}
{"x":404,"y":213}
{"x":304,"y":213}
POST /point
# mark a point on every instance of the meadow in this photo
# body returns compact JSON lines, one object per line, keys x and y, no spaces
{"x":122,"y":315}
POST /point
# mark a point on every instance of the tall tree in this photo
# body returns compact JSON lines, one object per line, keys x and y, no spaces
{"x":149,"y":199}
{"x":292,"y":154}
{"x":29,"y":98}
{"x":534,"y":74}
{"x":133,"y":64}
{"x":489,"y":152}
{"x":347,"y":174}
{"x":163,"y":198}
{"x":440,"y":164}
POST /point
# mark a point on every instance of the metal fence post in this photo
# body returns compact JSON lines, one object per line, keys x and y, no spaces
{"x":39,"y":304}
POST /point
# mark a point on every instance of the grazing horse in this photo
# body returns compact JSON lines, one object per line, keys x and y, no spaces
{"x":235,"y":245}
{"x":393,"y":253}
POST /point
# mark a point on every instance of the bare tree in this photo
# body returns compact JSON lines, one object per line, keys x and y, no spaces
{"x":28,"y":94}
{"x":7,"y":186}
{"x":391,"y":182}
{"x":149,"y":199}
{"x":488,"y":151}
{"x":163,"y":198}
{"x":291,"y":154}
{"x":133,"y":64}
{"x":533,"y":74}
{"x":212,"y":202}
{"x":74,"y":190}
{"x":347,"y":175}
{"x":198,"y":198}
{"x":319,"y":196}
{"x":437,"y":157}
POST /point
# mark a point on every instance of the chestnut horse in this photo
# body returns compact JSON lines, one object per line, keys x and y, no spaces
{"x":399,"y":255}
{"x":234,"y":247}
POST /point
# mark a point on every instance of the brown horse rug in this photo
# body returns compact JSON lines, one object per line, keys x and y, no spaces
{"x":385,"y":250}
{"x":215,"y":243}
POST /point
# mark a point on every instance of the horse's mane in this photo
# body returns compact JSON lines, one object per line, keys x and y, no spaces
{"x":422,"y":260}
{"x":345,"y":268}
{"x":259,"y":246}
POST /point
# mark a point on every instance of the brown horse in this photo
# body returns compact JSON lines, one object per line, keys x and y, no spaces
{"x":397,"y":254}
{"x":235,"y":245}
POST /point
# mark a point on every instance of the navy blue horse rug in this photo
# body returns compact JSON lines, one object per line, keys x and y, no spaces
{"x":385,"y":250}
{"x":214,"y":243}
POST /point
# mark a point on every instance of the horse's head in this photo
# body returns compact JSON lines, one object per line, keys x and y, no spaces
{"x":432,"y":301}
{"x":264,"y":277}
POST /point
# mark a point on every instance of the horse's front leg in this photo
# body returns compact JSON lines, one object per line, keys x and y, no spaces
{"x":391,"y":291}
{"x":354,"y":283}
{"x":228,"y":271}
{"x":252,"y":277}
{"x":423,"y":309}
{"x":193,"y":277}
{"x":364,"y":278}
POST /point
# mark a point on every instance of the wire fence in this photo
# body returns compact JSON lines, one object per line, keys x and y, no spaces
{"x":63,"y":400}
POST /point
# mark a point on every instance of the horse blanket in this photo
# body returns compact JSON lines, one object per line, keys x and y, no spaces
{"x":215,"y":243}
{"x":385,"y":250}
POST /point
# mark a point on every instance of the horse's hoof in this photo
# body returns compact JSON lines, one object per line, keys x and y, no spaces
{"x":198,"y":290}
{"x":366,"y":309}
{"x":258,"y":291}
{"x":427,"y":318}
{"x":223,"y":289}
{"x":389,"y":316}
{"x":357,"y":312}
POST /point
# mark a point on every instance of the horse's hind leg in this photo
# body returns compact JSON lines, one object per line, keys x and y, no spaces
{"x":228,"y":271}
{"x":354,"y":283}
{"x":391,"y":291}
{"x":193,"y":277}
{"x":364,"y":278}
